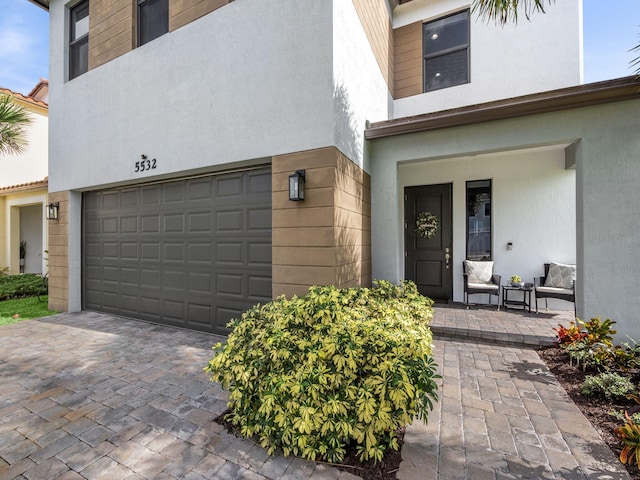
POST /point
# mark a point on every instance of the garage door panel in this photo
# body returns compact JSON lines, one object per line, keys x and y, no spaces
{"x":174,"y":280}
{"x":129,"y":224}
{"x":129,"y":276}
{"x":110,"y":250}
{"x":259,"y":254}
{"x":199,"y":253}
{"x":193,"y":253}
{"x":150,"y":251}
{"x":228,"y":284}
{"x":110,"y":225}
{"x":150,"y":223}
{"x":150,"y":306}
{"x":150,"y":277}
{"x":229,"y":186}
{"x":201,"y":283}
{"x":110,"y":201}
{"x":229,"y":221}
{"x":173,"y":192}
{"x":229,"y":253}
{"x":129,"y":200}
{"x":173,"y":223}
{"x":173,"y":252}
{"x":200,"y":190}
{"x":259,"y":184}
{"x":92,"y":227}
{"x":259,"y":219}
{"x":199,"y":222}
{"x":259,"y":288}
{"x":200,"y":313}
{"x":150,"y":195}
{"x":129,"y":250}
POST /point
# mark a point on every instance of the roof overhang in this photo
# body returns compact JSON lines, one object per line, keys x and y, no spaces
{"x":598,"y":93}
{"x":41,"y":3}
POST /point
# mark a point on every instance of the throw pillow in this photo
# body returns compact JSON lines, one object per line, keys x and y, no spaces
{"x":479,"y":272}
{"x":560,"y":276}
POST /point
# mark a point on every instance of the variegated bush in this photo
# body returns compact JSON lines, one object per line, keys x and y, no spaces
{"x":311,"y":375}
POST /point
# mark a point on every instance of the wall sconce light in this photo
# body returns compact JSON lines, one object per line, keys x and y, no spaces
{"x":296,"y":186}
{"x":52,"y":211}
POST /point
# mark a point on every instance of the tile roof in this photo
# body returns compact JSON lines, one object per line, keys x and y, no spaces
{"x":28,"y":98}
{"x":25,"y":186}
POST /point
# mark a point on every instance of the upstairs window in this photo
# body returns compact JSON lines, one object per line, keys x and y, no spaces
{"x":446,"y":51}
{"x":153,"y":19}
{"x":79,"y":39}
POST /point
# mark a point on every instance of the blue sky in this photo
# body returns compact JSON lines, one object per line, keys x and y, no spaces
{"x":611,"y":28}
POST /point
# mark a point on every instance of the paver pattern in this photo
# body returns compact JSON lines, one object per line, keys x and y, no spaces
{"x":92,"y":396}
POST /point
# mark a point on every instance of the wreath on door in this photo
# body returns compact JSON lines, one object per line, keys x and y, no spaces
{"x":427,"y":225}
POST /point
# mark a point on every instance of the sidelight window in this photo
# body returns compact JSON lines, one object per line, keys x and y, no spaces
{"x":479,"y":246}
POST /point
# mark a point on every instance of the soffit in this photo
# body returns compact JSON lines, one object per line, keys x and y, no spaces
{"x":555,"y":100}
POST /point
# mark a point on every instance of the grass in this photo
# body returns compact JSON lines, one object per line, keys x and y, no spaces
{"x":12,"y":311}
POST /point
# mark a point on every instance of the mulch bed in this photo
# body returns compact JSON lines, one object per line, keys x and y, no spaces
{"x":596,"y":409}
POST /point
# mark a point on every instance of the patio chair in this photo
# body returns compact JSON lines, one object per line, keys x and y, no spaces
{"x":559,"y":282}
{"x":479,"y":278}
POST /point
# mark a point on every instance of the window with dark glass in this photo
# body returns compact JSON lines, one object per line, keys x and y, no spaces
{"x":479,"y":220}
{"x":79,"y":39}
{"x":446,"y":51}
{"x":153,"y":19}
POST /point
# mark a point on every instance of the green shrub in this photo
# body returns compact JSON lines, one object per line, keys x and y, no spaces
{"x":313,"y":374}
{"x":18,"y":286}
{"x":608,"y":385}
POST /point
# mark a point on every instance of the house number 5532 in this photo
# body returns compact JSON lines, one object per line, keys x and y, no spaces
{"x":145,"y":164}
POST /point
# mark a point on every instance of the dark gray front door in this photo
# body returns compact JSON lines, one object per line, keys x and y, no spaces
{"x":190,"y":253}
{"x":428,"y":261}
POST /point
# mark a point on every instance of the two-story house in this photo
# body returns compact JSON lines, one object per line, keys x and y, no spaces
{"x":23,"y":190}
{"x":177,"y":127}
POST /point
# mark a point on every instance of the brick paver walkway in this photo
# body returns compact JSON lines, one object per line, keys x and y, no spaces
{"x":92,"y":396}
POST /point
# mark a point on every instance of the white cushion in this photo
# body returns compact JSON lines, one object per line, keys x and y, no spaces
{"x":560,"y":275}
{"x":564,"y":291}
{"x":479,"y":272}
{"x":484,"y":286}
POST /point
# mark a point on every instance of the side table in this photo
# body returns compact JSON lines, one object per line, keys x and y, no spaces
{"x":526,"y":297}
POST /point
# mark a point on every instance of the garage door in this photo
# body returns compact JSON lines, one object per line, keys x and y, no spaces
{"x":190,"y":253}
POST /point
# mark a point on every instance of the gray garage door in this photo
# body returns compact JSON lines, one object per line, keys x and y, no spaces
{"x":190,"y":253}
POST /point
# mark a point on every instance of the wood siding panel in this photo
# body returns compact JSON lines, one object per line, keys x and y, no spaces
{"x":407,"y":43}
{"x":111,"y":30}
{"x":326,"y":238}
{"x":375,"y":21}
{"x":59,"y":254}
{"x":182,"y":12}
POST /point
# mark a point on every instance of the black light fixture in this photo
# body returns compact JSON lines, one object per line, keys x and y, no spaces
{"x":296,"y":186}
{"x":52,"y":211}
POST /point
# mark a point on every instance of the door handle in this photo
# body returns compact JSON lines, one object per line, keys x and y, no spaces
{"x":447,"y":257}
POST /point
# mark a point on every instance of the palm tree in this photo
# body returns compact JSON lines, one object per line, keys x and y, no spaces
{"x":14,"y":120}
{"x":504,"y":11}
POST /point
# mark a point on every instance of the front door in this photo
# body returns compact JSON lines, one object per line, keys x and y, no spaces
{"x":428,"y":259}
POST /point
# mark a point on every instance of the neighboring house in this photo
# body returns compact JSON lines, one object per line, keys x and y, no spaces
{"x":173,"y":181}
{"x":23,"y":190}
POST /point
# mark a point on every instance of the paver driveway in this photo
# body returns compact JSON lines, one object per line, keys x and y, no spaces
{"x":88,"y":395}
{"x":91,"y":396}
